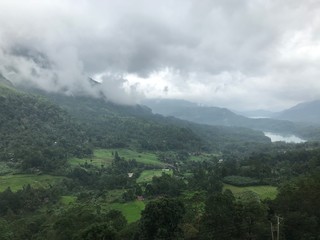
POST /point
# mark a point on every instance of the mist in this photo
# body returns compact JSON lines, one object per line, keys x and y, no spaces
{"x":242,"y":55}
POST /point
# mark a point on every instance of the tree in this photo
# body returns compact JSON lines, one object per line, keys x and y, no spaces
{"x":298,"y":204}
{"x":5,"y":231}
{"x":217,"y":222}
{"x":165,"y":185}
{"x":100,"y":231}
{"x":250,"y":218}
{"x":161,"y":218}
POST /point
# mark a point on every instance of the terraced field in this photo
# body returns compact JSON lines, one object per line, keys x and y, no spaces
{"x":16,"y":182}
{"x":264,"y":192}
{"x":105,"y":157}
{"x":147,"y":175}
{"x":130,"y":210}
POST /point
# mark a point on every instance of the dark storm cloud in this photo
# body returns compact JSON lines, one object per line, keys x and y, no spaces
{"x":245,"y":54}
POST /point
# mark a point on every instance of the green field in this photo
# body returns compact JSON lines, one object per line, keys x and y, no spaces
{"x":100,"y":157}
{"x":16,"y":182}
{"x":66,"y":200}
{"x":147,"y":175}
{"x":263,"y":191}
{"x":131,"y":210}
{"x":148,"y":158}
{"x":105,"y":157}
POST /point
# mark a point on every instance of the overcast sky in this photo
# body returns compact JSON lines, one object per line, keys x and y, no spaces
{"x":249,"y":54}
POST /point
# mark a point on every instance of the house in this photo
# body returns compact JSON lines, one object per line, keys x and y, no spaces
{"x":130,"y":175}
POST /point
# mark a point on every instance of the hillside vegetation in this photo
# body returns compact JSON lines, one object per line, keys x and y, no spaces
{"x":284,"y":122}
{"x":303,"y":112}
{"x":121,"y":172}
{"x":110,"y":125}
{"x":36,"y":133}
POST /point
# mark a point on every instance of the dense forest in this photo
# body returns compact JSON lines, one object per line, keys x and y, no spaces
{"x":121,"y":172}
{"x":303,"y":120}
{"x":137,"y":126}
{"x":36,"y":134}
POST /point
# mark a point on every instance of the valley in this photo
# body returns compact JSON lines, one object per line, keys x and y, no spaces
{"x":159,"y":120}
{"x":68,"y":159}
{"x":282,"y":123}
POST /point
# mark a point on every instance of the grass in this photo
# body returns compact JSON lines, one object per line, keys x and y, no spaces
{"x":16,"y":182}
{"x":105,"y":157}
{"x":100,"y":157}
{"x":263,"y":191}
{"x":147,"y":175}
{"x":240,"y":181}
{"x":130,"y":210}
{"x":66,"y":200}
{"x":148,"y":158}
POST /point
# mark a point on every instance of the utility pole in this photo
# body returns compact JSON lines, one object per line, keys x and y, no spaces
{"x":272,"y":236}
{"x":276,"y":229}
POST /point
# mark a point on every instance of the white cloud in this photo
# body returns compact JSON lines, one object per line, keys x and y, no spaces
{"x":239,"y":54}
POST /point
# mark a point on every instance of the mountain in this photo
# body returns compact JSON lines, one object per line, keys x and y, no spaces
{"x":221,"y":116}
{"x":113,"y":125}
{"x":260,"y":113}
{"x":167,"y":107}
{"x":193,"y":112}
{"x":36,"y":134}
{"x":4,"y":81}
{"x":213,"y":115}
{"x":303,"y":112}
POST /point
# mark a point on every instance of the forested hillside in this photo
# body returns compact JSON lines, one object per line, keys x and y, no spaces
{"x":36,"y":133}
{"x":99,"y":139}
{"x":121,"y":172}
{"x":217,"y":116}
{"x":113,"y":125}
{"x":303,"y":112}
{"x":39,"y":135}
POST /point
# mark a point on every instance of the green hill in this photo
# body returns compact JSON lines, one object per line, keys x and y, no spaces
{"x":303,"y":112}
{"x":36,"y":133}
{"x":112,"y":125}
{"x":216,"y":116}
{"x":40,"y":133}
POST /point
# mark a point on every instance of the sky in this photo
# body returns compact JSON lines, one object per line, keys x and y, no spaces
{"x":244,"y":55}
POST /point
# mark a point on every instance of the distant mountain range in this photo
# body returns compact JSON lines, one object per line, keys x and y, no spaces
{"x":281,"y":122}
{"x":193,"y":112}
{"x":303,"y":112}
{"x":260,"y":113}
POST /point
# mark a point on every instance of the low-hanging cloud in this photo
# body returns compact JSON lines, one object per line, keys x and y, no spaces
{"x":244,"y":54}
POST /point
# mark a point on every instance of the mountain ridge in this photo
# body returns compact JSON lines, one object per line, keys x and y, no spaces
{"x":36,"y":134}
{"x":225,"y":117}
{"x":302,"y":112}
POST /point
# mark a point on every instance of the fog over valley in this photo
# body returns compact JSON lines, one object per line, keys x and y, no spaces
{"x":149,"y":120}
{"x":244,"y":55}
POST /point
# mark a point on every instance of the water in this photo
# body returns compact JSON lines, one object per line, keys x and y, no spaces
{"x":275,"y":137}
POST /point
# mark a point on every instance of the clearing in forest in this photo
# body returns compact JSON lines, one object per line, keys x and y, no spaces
{"x":17,"y":181}
{"x":104,"y":157}
{"x":263,"y":191}
{"x":147,"y":175}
